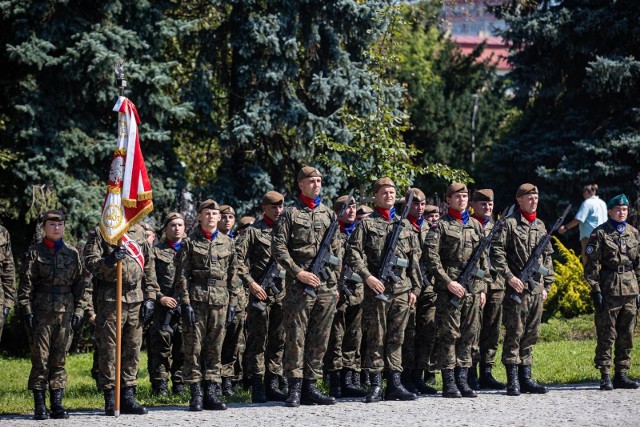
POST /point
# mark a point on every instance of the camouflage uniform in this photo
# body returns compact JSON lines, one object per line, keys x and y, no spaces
{"x":137,"y":285}
{"x":165,"y":352}
{"x":52,"y":290}
{"x":204,"y":272}
{"x":233,"y":346}
{"x":613,"y":268}
{"x":265,"y":330}
{"x":307,"y":321}
{"x":7,"y":275}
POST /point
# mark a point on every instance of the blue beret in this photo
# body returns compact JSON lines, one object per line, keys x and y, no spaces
{"x":619,"y":200}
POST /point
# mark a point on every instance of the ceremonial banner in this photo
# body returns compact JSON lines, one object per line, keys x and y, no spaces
{"x":128,"y":196}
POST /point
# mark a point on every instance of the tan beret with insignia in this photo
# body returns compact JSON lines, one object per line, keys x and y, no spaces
{"x":383,"y":182}
{"x":308,"y":172}
{"x":208,"y":204}
{"x":52,"y":215}
{"x":272,"y":198}
{"x":526,"y":189}
{"x":456,"y":187}
{"x":226,"y":209}
{"x":363,"y":211}
{"x":337,"y":205}
{"x":431,"y":209}
{"x":418,"y":195}
{"x":483,"y":195}
{"x":170,"y":217}
{"x":244,"y":222}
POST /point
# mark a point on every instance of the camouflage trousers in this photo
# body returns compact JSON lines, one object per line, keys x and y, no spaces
{"x":420,"y":333}
{"x":489,"y":334}
{"x":385,"y":323}
{"x":615,"y":325}
{"x":48,"y":343}
{"x":344,"y":342}
{"x":522,"y":328}
{"x":1,"y":323}
{"x":166,"y":349}
{"x":203,"y":343}
{"x":265,"y":339}
{"x":458,"y":329}
{"x":307,"y":324}
{"x":106,"y":343}
{"x":233,"y":346}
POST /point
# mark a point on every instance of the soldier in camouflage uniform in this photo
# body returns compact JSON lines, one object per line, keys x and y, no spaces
{"x":7,"y":277}
{"x":50,"y":298}
{"x":296,"y":239}
{"x":243,"y":224}
{"x":385,"y":321}
{"x":491,"y":316}
{"x":419,"y":333}
{"x":342,"y":359}
{"x":166,"y":352}
{"x":265,"y":330}
{"x":427,"y":353}
{"x":509,"y":253}
{"x":205,"y":267}
{"x":139,"y":291}
{"x":449,"y":245}
{"x":613,"y":271}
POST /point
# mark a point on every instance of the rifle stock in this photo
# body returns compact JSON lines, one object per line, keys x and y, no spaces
{"x":272,"y":272}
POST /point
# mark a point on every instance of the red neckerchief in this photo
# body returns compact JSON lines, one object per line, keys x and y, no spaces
{"x":414,"y":221}
{"x":529,"y":217}
{"x":49,"y":243}
{"x":454,"y":213}
{"x":482,"y":221}
{"x":267,"y":220}
{"x":386,"y":213}
{"x":311,"y":204}
{"x":205,"y":234}
{"x":173,"y":244}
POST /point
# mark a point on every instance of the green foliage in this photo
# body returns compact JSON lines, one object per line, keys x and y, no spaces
{"x":570,"y":294}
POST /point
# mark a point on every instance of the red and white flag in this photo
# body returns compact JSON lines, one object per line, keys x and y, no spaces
{"x":128,"y":197}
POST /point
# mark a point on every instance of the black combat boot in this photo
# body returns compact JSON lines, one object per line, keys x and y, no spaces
{"x":513,"y":384}
{"x":160,"y":388}
{"x":227,"y":387}
{"x":365,"y":379}
{"x":39,"y":405}
{"x":527,"y":385}
{"x":462,"y":381}
{"x":487,"y":381}
{"x":472,"y":377}
{"x":295,"y":388}
{"x":395,"y":390}
{"x":57,"y":410}
{"x":177,"y":388}
{"x":349,"y":386}
{"x":195,"y":403}
{"x":449,"y":388}
{"x":312,"y":396}
{"x":422,"y":386}
{"x":375,"y":389}
{"x":284,"y":386}
{"x":110,"y":402}
{"x":429,"y":377}
{"x":605,"y":381}
{"x":211,"y":400}
{"x":258,"y":394}
{"x":620,"y":380}
{"x":335,"y":386}
{"x":128,"y":404}
{"x":273,"y":392}
{"x":406,"y":379}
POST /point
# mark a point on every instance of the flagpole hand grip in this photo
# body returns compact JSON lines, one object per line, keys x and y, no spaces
{"x":118,"y":254}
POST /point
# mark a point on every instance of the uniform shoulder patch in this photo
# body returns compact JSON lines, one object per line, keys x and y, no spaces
{"x":589,"y":249}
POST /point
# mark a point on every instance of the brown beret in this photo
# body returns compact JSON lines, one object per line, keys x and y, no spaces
{"x":418,"y":195}
{"x":308,"y":172}
{"x":208,"y":204}
{"x":382,"y":182}
{"x":526,"y":189}
{"x":363,"y":211}
{"x":483,"y":195}
{"x":272,"y":198}
{"x":337,"y":205}
{"x":456,"y":187}
{"x":226,"y":209}
{"x":244,"y":222}
{"x":170,"y":217}
{"x":52,"y":215}
{"x":431,"y":209}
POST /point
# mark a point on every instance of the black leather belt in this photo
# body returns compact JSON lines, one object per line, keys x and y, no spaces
{"x":210,"y":282}
{"x":55,"y":289}
{"x":621,"y":268}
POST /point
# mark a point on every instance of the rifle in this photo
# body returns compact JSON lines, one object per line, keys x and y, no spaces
{"x":471,"y":271}
{"x":323,"y":256}
{"x":268,"y":282}
{"x":168,"y":318}
{"x":346,"y":275}
{"x":390,"y":260}
{"x":231,"y":313}
{"x":533,"y":267}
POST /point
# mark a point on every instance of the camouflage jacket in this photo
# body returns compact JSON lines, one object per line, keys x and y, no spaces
{"x":164,"y":256}
{"x":7,"y":271}
{"x":366,"y":250}
{"x":297,"y":236}
{"x":613,"y":260}
{"x":448,"y":247}
{"x":497,"y":281}
{"x":137,"y":285}
{"x":253,"y":251}
{"x":205,"y":270}
{"x":511,"y":250}
{"x":357,"y":289}
{"x":51,"y":280}
{"x":427,"y":279}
